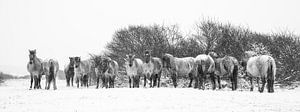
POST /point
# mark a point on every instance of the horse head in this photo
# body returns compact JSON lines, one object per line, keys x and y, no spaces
{"x":130,"y":59}
{"x":77,"y":62}
{"x":32,"y":55}
{"x":147,"y":56}
{"x":213,"y":55}
{"x":245,"y":58}
{"x":72,"y":61}
{"x":166,"y":60}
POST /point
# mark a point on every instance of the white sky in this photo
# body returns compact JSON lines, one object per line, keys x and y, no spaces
{"x":62,"y":28}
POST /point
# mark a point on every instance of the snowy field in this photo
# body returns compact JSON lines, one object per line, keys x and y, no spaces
{"x":15,"y":97}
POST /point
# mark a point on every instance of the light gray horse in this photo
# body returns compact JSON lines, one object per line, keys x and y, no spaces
{"x":81,"y":71}
{"x":262,"y":67}
{"x":178,"y":67}
{"x":204,"y":65}
{"x":50,"y":69}
{"x":34,"y":67}
{"x":152,"y":69}
{"x":134,"y":70}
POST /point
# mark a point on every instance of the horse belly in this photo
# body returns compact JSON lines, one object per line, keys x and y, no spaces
{"x":253,"y":70}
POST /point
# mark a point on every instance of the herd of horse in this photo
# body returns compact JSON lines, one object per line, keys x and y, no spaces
{"x":261,"y":67}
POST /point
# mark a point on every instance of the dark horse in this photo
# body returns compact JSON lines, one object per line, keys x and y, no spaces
{"x":106,"y":69}
{"x":69,"y":71}
{"x":34,"y":67}
{"x":225,"y":67}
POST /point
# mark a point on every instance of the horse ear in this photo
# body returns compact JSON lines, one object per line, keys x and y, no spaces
{"x":29,"y":50}
{"x":34,"y":50}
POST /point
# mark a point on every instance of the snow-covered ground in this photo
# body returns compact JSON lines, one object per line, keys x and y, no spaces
{"x":15,"y":97}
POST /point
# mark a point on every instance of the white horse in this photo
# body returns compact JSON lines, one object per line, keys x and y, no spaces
{"x":50,"y":69}
{"x":34,"y":67}
{"x":152,"y":69}
{"x":134,"y":70}
{"x":178,"y":67}
{"x":262,"y":67}
{"x":204,"y":64}
{"x":81,"y":71}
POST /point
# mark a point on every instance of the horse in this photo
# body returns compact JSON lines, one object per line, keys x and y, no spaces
{"x":81,"y":71}
{"x":262,"y":67}
{"x":178,"y":67}
{"x":226,"y":67}
{"x":204,"y":64}
{"x":152,"y":69}
{"x":106,"y":69}
{"x":134,"y":70}
{"x":111,"y":73}
{"x":34,"y":67}
{"x":69,"y":71}
{"x":50,"y":69}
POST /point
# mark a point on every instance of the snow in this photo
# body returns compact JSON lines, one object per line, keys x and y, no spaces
{"x":15,"y":97}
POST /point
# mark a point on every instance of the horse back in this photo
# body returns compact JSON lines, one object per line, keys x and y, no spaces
{"x":184,"y":65}
{"x":258,"y":66}
{"x":157,"y":64}
{"x":225,"y":65}
{"x":205,"y":62}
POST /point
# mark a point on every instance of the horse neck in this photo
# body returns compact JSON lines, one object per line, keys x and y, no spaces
{"x":36,"y":60}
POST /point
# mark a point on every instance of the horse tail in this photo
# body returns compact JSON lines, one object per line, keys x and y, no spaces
{"x":51,"y":71}
{"x":270,"y":71}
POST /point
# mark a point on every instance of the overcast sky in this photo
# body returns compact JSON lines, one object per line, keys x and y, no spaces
{"x":62,"y":28}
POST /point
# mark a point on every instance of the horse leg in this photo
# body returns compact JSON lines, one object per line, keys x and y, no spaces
{"x":174,"y":80}
{"x":54,"y":83}
{"x":203,"y":81}
{"x":271,"y":86}
{"x":232,"y":83}
{"x":258,"y":79}
{"x":138,"y":81}
{"x":145,"y":80}
{"x":212,"y":78}
{"x":77,"y":81}
{"x":263,"y":80}
{"x":158,"y":80}
{"x":49,"y":79}
{"x":251,"y":83}
{"x":46,"y":82}
{"x":31,"y":81}
{"x":35,"y":82}
{"x":196,"y":83}
{"x":87,"y":84}
{"x":72,"y":81}
{"x":191,"y":80}
{"x":129,"y":82}
{"x":155,"y":77}
{"x":97,"y":80}
{"x":67,"y":80}
{"x":219,"y":82}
